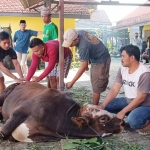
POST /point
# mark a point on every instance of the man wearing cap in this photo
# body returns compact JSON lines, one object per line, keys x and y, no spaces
{"x":6,"y":50}
{"x":50,"y":32}
{"x":48,"y":52}
{"x":90,"y":48}
{"x":21,"y":44}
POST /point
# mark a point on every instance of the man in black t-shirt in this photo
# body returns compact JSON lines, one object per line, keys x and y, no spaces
{"x":6,"y":50}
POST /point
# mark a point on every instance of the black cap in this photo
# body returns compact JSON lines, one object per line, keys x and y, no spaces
{"x":22,"y":21}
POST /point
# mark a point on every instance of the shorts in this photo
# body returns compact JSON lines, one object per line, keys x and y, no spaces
{"x":55,"y":71}
{"x":100,"y":76}
{"x":1,"y":74}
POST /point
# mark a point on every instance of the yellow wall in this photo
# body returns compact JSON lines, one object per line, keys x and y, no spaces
{"x":146,"y":27}
{"x":33,"y":23}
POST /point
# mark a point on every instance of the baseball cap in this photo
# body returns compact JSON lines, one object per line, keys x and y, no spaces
{"x":45,"y":11}
{"x":69,"y":36}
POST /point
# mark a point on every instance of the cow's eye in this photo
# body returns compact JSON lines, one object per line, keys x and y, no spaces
{"x":104,"y":119}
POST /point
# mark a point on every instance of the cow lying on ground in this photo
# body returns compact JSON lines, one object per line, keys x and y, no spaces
{"x":33,"y":112}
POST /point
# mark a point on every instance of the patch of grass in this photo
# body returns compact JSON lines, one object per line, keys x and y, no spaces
{"x":43,"y":146}
{"x":117,"y":144}
{"x":81,"y":95}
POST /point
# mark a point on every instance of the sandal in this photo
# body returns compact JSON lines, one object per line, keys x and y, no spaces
{"x":144,"y":132}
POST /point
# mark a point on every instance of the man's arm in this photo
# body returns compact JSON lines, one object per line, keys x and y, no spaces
{"x":112,"y":94}
{"x":35,"y":33}
{"x":32,"y":69}
{"x":143,"y":91}
{"x":8,"y":73}
{"x":14,"y":39}
{"x":17,"y":67}
{"x":83,"y":67}
{"x":40,"y":32}
{"x":54,"y":33}
{"x":134,"y":103}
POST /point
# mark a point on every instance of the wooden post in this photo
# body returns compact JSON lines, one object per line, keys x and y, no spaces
{"x":61,"y":49}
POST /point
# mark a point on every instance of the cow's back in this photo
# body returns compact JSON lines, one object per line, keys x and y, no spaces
{"x":21,"y":93}
{"x":38,"y":100}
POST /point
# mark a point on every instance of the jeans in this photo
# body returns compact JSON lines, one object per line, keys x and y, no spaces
{"x":137,"y":118}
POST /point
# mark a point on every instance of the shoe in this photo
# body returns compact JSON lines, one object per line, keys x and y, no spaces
{"x":144,"y":132}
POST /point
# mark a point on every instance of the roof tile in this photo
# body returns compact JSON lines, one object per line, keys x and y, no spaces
{"x":15,"y":6}
{"x":139,"y":15}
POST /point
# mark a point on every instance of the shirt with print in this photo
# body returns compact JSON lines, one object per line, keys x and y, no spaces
{"x":50,"y":32}
{"x":91,"y":48}
{"x":139,"y":81}
{"x":51,"y":55}
{"x":4,"y":53}
{"x":22,"y":39}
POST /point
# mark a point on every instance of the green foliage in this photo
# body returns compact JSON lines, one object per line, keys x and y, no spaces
{"x":75,"y":65}
{"x":86,"y":144}
{"x":99,"y":33}
{"x":108,"y":45}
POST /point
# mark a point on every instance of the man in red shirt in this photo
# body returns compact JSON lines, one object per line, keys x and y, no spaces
{"x":48,"y":52}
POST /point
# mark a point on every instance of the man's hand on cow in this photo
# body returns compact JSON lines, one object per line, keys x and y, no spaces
{"x":22,"y":79}
{"x":101,"y":107}
{"x":121,"y":115}
{"x":18,"y":80}
{"x":35,"y":79}
{"x":69,"y":85}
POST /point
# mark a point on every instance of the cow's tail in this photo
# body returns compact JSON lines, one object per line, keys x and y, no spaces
{"x":7,"y":91}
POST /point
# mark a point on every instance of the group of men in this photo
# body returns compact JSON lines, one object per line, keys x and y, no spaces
{"x":133,"y":76}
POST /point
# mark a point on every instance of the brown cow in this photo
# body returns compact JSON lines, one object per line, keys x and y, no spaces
{"x":33,"y":112}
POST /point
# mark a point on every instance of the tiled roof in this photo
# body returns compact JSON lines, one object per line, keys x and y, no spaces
{"x":101,"y":17}
{"x":139,"y":15}
{"x":98,"y":19}
{"x":15,"y":6}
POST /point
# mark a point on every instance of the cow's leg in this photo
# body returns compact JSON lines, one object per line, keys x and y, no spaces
{"x":12,"y":123}
{"x":32,"y":130}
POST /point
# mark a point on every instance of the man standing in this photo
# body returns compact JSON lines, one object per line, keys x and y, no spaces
{"x":48,"y":52}
{"x":50,"y":33}
{"x":5,"y":50}
{"x":137,"y":41}
{"x":135,"y":78}
{"x":90,"y":48}
{"x":21,"y":44}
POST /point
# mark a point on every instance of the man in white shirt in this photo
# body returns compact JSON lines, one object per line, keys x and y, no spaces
{"x":135,"y":78}
{"x":137,"y":41}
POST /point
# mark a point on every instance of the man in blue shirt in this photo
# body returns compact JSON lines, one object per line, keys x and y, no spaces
{"x":90,"y":48}
{"x":21,"y":44}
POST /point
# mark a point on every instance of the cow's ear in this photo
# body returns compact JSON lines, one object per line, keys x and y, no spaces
{"x":80,"y":121}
